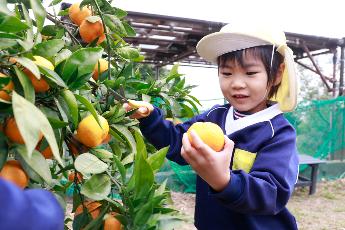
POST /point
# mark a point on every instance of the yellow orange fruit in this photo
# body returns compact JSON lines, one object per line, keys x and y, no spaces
{"x":90,"y":133}
{"x":13,"y":171}
{"x":40,"y":85}
{"x":77,"y":15}
{"x":12,"y":132}
{"x":4,"y":92}
{"x":210,"y":133}
{"x":90,"y":31}
{"x":111,"y":223}
{"x":103,"y":66}
{"x":93,"y":207}
{"x":106,"y":139}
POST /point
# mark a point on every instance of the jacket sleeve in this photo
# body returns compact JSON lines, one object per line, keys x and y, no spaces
{"x":29,"y":209}
{"x":268,"y":186}
{"x":162,"y":133}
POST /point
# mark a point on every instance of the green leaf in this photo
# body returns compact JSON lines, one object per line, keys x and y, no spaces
{"x":39,"y":12}
{"x":50,"y":30}
{"x":97,"y":187}
{"x":83,"y":61}
{"x":87,"y":163}
{"x":120,"y":167}
{"x":4,"y":9}
{"x":31,"y":121}
{"x":129,"y":30}
{"x":11,"y":24}
{"x":144,"y":214}
{"x":61,"y":56}
{"x":72,"y":104}
{"x":55,"y":2}
{"x":143,"y":173}
{"x":30,"y":65}
{"x":119,"y":12}
{"x":173,"y":73}
{"x":102,"y":154}
{"x":128,"y":52}
{"x":36,"y":162}
{"x":56,"y":123}
{"x":156,"y":160}
{"x":115,"y":24}
{"x":52,"y":76}
{"x":29,"y":91}
{"x":89,"y":107}
{"x":161,"y":188}
{"x":7,"y":43}
{"x":126,"y":135}
{"x":48,"y":48}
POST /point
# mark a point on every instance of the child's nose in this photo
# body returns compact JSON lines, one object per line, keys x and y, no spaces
{"x":238,"y":82}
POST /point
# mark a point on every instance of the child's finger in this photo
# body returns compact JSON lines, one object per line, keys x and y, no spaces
{"x":126,"y":106}
{"x":198,"y":144}
{"x":228,"y":144}
{"x":187,"y":149}
{"x":185,"y":142}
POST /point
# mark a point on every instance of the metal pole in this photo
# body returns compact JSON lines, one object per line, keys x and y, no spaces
{"x":334,"y":72}
{"x":341,"y":79}
{"x":157,"y":72}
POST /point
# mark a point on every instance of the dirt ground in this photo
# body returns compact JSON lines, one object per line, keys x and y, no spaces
{"x":325,"y":210}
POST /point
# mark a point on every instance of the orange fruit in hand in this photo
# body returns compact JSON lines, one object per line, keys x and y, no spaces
{"x":90,"y":133}
{"x":76,"y":15}
{"x":111,"y":223}
{"x":93,"y":207}
{"x":103,"y":66}
{"x":4,"y":94}
{"x":90,"y":31}
{"x":40,"y":85}
{"x":12,"y":132}
{"x":13,"y":171}
{"x":210,"y":133}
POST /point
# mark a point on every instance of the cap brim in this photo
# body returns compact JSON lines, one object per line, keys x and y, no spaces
{"x":216,"y":44}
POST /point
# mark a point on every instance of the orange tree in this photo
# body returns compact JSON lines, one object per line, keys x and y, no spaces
{"x":61,"y":114}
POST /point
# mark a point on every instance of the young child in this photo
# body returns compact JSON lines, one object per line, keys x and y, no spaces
{"x":248,"y":184}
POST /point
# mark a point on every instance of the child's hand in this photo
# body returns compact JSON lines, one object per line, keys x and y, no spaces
{"x":143,"y":108}
{"x":213,"y":167}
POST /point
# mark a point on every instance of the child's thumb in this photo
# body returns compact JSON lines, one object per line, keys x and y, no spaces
{"x":228,"y":144}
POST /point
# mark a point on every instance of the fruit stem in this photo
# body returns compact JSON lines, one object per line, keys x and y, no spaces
{"x":106,"y":36}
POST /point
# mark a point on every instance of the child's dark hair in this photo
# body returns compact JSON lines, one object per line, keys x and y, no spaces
{"x":264,"y":53}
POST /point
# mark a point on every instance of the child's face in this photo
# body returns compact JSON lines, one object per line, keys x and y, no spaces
{"x":245,"y":87}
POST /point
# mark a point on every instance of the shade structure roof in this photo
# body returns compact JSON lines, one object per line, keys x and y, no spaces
{"x":166,"y":39}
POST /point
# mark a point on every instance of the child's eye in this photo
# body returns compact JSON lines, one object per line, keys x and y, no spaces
{"x":226,"y":74}
{"x":252,"y":73}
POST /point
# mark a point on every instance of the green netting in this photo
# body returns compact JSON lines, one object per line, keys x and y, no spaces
{"x":320,"y":128}
{"x":320,"y":131}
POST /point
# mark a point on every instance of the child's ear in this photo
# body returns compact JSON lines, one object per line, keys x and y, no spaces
{"x":279,"y":74}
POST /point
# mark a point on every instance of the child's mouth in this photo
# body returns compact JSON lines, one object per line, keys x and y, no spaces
{"x":239,"y":96}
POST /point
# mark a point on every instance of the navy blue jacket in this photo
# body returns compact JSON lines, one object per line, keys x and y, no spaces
{"x":30,"y":209}
{"x":264,"y":168}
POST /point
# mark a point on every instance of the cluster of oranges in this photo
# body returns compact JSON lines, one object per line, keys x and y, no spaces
{"x":89,"y":28}
{"x":39,"y":85}
{"x":94,"y":209}
{"x":12,"y":169}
